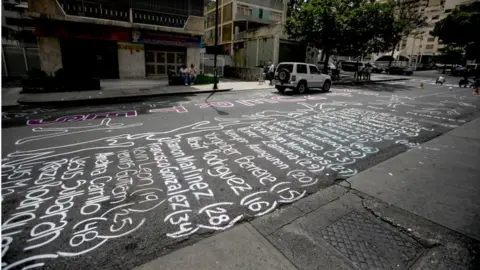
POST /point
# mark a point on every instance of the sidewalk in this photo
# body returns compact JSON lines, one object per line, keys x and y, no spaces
{"x":115,"y":90}
{"x":418,"y":210}
{"x":11,"y":95}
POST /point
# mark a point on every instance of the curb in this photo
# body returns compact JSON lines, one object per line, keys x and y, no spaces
{"x":104,"y":100}
{"x":8,"y":107}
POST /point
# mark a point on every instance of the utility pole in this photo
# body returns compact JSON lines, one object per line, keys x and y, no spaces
{"x":215,"y":73}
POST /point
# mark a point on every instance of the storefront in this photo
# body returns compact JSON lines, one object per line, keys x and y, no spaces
{"x":110,"y":52}
{"x":86,"y":49}
{"x":167,"y":51}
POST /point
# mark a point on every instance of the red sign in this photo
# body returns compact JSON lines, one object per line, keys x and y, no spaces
{"x":86,"y":31}
{"x":172,"y":39}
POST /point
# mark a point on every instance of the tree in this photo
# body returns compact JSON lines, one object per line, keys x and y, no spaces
{"x":293,"y":6}
{"x":409,"y":19}
{"x":368,"y":29}
{"x":460,"y":28}
{"x":450,"y":55}
{"x":352,"y":27}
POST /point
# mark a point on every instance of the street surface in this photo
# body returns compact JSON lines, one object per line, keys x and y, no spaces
{"x":116,"y":186}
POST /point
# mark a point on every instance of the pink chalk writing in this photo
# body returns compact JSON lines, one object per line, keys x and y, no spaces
{"x":177,"y":109}
{"x":220,"y":104}
{"x":79,"y":117}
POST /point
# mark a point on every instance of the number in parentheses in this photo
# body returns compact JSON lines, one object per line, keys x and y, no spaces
{"x":216,"y":220}
{"x":85,"y":237}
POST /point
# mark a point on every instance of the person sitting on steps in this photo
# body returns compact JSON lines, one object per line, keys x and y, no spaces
{"x":184,"y":74}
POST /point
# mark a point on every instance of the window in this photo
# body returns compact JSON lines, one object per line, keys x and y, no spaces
{"x":227,"y":12}
{"x":244,"y":10}
{"x":301,"y":68}
{"x":436,"y":17}
{"x":314,"y":70}
{"x":260,"y":13}
{"x":275,"y":16}
{"x":429,"y":47}
{"x":288,"y":67}
{"x":431,"y":39}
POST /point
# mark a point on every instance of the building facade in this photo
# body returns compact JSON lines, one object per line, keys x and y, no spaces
{"x":118,"y":39}
{"x":19,"y":43}
{"x":251,"y":32}
{"x":236,"y":17}
{"x":420,"y":47}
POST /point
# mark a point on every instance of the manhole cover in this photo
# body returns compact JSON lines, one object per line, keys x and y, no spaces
{"x":369,"y":245}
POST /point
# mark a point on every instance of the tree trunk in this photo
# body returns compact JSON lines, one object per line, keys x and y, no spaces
{"x":393,"y":53}
{"x":325,"y":65}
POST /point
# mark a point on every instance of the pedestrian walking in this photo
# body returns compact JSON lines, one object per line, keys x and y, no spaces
{"x":369,"y":72}
{"x":271,"y":71}
{"x":359,"y":71}
{"x":365,"y":72}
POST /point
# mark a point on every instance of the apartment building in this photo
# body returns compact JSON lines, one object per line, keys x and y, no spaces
{"x":421,"y":46}
{"x":236,"y":17}
{"x":118,"y":38}
{"x":251,"y":31}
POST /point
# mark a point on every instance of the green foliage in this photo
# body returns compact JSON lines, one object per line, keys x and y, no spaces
{"x":348,"y":27}
{"x":408,"y":19}
{"x":450,"y":55}
{"x":461,"y":28}
{"x":205,"y":79}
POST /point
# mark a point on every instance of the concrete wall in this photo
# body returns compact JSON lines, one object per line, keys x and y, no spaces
{"x":242,"y":73}
{"x":48,"y":7}
{"x":261,"y":46}
{"x":251,"y":55}
{"x":265,"y":50}
{"x":193,"y":57}
{"x":131,"y":61}
{"x":50,"y":54}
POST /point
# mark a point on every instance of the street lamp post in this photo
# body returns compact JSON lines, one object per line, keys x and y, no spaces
{"x":215,"y":73}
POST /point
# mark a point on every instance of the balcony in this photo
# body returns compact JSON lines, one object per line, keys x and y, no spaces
{"x":157,"y":18}
{"x":240,"y":36}
{"x":170,"y":13}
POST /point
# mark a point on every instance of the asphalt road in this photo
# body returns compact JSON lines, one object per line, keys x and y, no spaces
{"x":115,"y":186}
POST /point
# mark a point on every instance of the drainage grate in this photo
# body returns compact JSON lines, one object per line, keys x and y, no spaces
{"x":369,"y":245}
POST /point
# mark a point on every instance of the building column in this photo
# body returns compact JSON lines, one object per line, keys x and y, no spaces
{"x":256,"y":52}
{"x":276,"y":49}
{"x":50,"y":54}
{"x":193,"y":57}
{"x":131,"y":61}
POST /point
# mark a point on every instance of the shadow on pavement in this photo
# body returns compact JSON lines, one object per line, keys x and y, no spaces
{"x":384,"y":87}
{"x":19,"y":115}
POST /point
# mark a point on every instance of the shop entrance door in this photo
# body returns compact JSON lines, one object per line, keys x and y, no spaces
{"x":159,"y":62}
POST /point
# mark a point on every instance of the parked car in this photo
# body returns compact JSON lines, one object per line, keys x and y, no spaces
{"x":332,"y":70}
{"x":458,"y":70}
{"x":376,"y":69}
{"x":400,"y":71}
{"x":331,"y":66}
{"x":300,"y":77}
{"x":350,"y":65}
